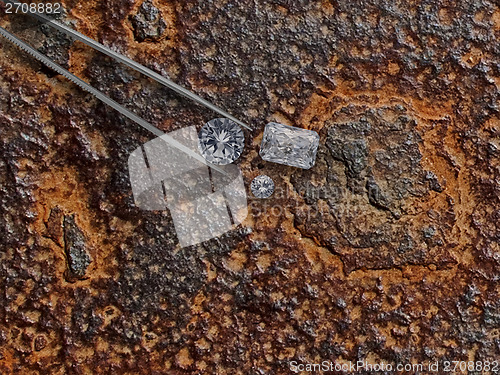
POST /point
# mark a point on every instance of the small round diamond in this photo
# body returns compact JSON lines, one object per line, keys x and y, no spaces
{"x":221,"y":141}
{"x":262,"y":186}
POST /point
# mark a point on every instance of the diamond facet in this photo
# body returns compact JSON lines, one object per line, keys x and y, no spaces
{"x":221,"y":141}
{"x":289,"y":145}
{"x":262,"y":186}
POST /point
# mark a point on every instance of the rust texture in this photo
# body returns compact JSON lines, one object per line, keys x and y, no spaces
{"x":387,"y":250}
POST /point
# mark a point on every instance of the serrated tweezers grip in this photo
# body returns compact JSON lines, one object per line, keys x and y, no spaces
{"x":105,"y":99}
{"x":131,"y":63}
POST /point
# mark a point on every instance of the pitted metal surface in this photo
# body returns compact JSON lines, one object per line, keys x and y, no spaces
{"x":386,"y":250}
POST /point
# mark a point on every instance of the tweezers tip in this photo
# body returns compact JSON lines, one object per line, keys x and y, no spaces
{"x":242,"y":124}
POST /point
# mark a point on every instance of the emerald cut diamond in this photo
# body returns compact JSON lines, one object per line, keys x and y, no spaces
{"x":289,"y":145}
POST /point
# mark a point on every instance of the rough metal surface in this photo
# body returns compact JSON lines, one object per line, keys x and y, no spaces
{"x":387,"y":250}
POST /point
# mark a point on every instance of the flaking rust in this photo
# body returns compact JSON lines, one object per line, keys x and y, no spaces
{"x":386,"y":250}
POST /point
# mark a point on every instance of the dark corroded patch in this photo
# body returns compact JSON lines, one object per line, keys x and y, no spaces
{"x":148,"y":23}
{"x":375,"y":164}
{"x":386,"y":250}
{"x":75,"y":247}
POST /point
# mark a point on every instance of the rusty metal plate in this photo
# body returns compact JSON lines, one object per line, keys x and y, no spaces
{"x":387,"y":250}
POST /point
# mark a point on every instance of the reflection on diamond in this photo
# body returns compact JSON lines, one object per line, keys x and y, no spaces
{"x":221,"y":141}
{"x":289,"y":145}
{"x":262,"y":186}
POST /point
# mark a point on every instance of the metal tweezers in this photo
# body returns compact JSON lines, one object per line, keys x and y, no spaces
{"x":104,"y":98}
